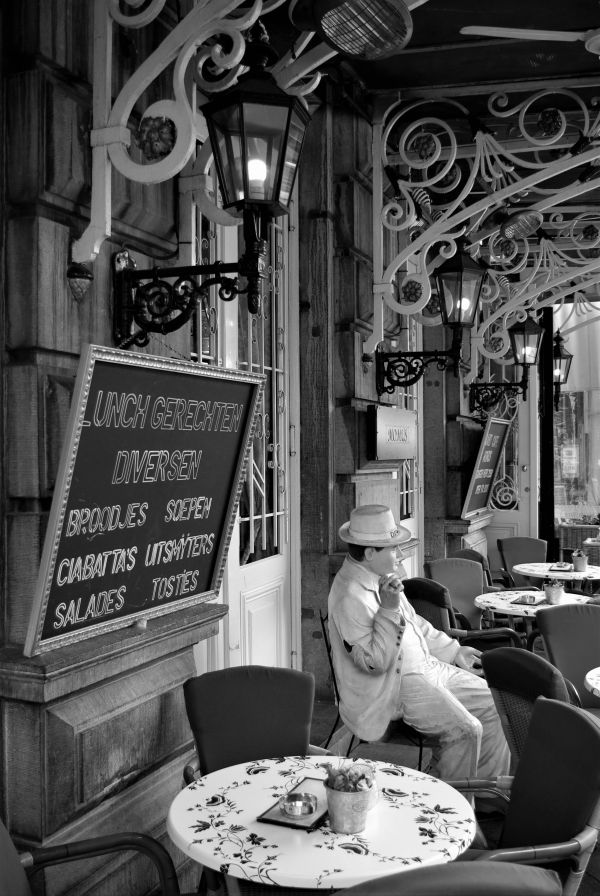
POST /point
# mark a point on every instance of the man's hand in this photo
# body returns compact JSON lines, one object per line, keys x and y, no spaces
{"x":469,"y":658}
{"x":390,"y":589}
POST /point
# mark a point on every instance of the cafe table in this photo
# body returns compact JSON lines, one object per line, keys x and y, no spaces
{"x":416,"y":820}
{"x":515,"y":603}
{"x":562,"y":572}
{"x":592,"y":681}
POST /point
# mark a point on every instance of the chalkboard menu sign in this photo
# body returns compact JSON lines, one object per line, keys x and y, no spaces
{"x":486,"y":466}
{"x":146,"y":494}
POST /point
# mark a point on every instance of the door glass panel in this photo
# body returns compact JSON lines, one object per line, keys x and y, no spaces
{"x":261,"y":347}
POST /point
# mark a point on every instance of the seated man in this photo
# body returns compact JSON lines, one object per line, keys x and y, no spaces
{"x":391,"y":663}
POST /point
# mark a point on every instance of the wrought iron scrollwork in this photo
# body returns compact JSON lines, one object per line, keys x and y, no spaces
{"x":405,"y":368}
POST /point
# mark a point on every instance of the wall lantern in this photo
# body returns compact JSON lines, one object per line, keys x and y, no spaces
{"x":79,"y":278}
{"x":561,"y":366}
{"x":256,"y":133}
{"x":525,"y":340}
{"x":459,"y":281}
{"x":362,"y":29}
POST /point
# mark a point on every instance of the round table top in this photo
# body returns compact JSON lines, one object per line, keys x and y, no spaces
{"x":592,"y":681}
{"x":417,"y":820}
{"x":542,"y":571}
{"x":509,"y":602}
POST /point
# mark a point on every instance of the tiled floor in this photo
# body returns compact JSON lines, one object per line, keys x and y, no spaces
{"x":324,"y":715}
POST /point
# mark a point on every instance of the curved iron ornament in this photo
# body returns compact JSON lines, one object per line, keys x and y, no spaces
{"x":395,"y":369}
{"x":484,"y":396}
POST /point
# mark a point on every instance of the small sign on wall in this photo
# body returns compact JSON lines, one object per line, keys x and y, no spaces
{"x":391,"y":433}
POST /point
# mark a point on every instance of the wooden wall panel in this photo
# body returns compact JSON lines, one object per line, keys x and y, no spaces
{"x":25,"y":536}
{"x":99,"y":741}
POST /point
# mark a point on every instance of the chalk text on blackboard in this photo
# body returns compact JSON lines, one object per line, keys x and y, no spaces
{"x":93,"y":607}
{"x":128,"y":410}
{"x":91,"y":566}
{"x":184,"y":582}
{"x":91,"y":520}
{"x":155,"y":466}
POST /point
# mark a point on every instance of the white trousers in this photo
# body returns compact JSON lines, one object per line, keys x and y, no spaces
{"x":457,"y":707}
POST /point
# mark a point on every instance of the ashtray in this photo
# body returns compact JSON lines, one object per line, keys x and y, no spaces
{"x":295,"y":804}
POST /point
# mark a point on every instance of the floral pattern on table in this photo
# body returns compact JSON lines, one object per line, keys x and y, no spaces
{"x":417,"y":820}
{"x":546,"y":571}
{"x":505,"y":602}
{"x":592,"y":681}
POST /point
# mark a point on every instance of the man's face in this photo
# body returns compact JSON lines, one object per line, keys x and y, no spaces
{"x":385,"y":561}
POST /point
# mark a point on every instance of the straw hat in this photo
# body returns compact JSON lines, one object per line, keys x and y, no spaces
{"x":373,"y":526}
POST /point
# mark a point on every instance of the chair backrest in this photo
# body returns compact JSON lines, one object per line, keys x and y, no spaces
{"x":249,"y":712}
{"x":431,"y":600}
{"x":477,"y":557}
{"x":571,"y":634}
{"x":323,"y":618}
{"x":521,"y":549}
{"x":13,"y":880}
{"x":555,"y":792}
{"x":463,"y":879}
{"x":464,"y":581}
{"x":516,"y":679}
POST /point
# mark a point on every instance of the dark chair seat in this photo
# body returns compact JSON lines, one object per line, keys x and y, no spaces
{"x":462,"y":879}
{"x":516,"y":679}
{"x":14,"y":880}
{"x":520,"y":549}
{"x":432,"y":601}
{"x":553,"y":802}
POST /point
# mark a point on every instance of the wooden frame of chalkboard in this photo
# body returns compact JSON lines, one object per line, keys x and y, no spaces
{"x":486,"y":466}
{"x":146,"y":495}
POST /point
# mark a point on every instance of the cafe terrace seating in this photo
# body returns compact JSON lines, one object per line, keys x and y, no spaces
{"x":463,"y":879}
{"x":15,"y":882}
{"x":571,"y":636}
{"x":464,"y":580}
{"x":516,"y":679}
{"x":431,"y":600}
{"x":553,"y":800}
{"x":520,"y":549}
{"x":249,"y":712}
{"x":242,"y":714}
{"x":489,"y":578}
{"x":399,"y":732}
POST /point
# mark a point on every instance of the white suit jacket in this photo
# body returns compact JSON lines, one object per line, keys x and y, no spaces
{"x":370,"y":655}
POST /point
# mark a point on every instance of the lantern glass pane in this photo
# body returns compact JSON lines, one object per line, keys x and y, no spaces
{"x":525,"y":340}
{"x":264,"y":132}
{"x":227,"y":149}
{"x":460,"y":295}
{"x":290,"y":164}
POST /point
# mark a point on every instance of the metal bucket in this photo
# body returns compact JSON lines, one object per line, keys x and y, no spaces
{"x":348,"y":810}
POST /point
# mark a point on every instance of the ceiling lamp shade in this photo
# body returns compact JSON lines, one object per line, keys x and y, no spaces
{"x":521,"y":224}
{"x":79,"y":278}
{"x":256,"y":132}
{"x":459,"y":282}
{"x":525,"y":340}
{"x":363,"y":29}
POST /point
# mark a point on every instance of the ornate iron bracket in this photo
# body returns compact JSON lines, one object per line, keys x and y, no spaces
{"x":484,"y":396}
{"x":155,"y":304}
{"x":407,"y":368}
